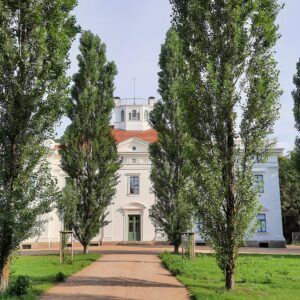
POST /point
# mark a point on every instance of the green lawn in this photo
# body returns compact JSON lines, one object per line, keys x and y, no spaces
{"x":258,"y":276}
{"x":42,"y":270}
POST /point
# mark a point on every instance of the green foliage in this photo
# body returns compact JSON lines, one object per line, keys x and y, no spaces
{"x":228,"y":47}
{"x":19,"y":286}
{"x":296,"y":97}
{"x":60,"y":277}
{"x":257,"y":276}
{"x":172,"y":263}
{"x":171,"y":212}
{"x":35,"y":37}
{"x":66,"y":204}
{"x":88,"y":149}
{"x":289,"y":178}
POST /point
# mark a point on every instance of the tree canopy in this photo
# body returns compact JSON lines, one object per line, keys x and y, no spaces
{"x":171,"y":212}
{"x":88,"y":149}
{"x":290,"y":194}
{"x":228,"y":47}
{"x":35,"y":39}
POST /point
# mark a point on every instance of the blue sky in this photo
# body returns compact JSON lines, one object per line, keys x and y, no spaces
{"x":133,"y":31}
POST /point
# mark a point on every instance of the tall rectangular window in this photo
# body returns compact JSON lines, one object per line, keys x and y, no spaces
{"x":259,"y":181}
{"x":134,"y":185}
{"x":262,"y":223}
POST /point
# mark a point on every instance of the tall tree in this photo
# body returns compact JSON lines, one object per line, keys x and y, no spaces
{"x":88,"y":149}
{"x":290,"y":194}
{"x":35,"y":37}
{"x":228,"y":45}
{"x":296,"y":97}
{"x":170,"y":212}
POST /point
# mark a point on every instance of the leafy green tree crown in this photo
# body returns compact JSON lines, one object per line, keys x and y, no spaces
{"x":171,"y":212}
{"x":228,"y":46}
{"x":35,"y":37}
{"x":89,"y":153}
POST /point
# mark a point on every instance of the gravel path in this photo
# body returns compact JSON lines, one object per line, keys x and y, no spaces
{"x":121,"y":277}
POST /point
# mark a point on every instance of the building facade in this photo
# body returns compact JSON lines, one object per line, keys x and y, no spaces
{"x":128,"y":216}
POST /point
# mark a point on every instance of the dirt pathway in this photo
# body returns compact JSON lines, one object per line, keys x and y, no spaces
{"x":121,"y":277}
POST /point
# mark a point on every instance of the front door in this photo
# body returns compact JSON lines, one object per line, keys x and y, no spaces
{"x":134,"y":228}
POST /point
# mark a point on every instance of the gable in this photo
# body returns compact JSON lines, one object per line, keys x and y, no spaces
{"x":133,"y":145}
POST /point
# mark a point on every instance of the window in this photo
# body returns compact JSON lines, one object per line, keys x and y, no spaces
{"x":262,"y":223}
{"x":134,"y":161}
{"x":134,"y":115}
{"x":129,"y":116}
{"x":146,"y":115}
{"x":134,"y":185}
{"x":122,"y":116}
{"x":259,"y":181}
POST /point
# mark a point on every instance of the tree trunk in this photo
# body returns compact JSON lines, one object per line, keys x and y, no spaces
{"x":230,"y":275}
{"x":85,"y":249}
{"x":231,"y":206}
{"x":4,"y":276}
{"x":176,"y":248}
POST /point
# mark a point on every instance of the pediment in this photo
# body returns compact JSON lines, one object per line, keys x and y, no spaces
{"x":131,"y":143}
{"x":134,"y":206}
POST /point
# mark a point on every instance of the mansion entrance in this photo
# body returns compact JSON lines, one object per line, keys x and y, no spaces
{"x":134,"y":227}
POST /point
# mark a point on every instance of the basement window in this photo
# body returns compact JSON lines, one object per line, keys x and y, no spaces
{"x":26,"y":247}
{"x":263,"y":245}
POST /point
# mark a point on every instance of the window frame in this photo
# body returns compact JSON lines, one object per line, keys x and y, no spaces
{"x":262,"y":228}
{"x":134,"y":115}
{"x":146,"y":115}
{"x":134,"y":187}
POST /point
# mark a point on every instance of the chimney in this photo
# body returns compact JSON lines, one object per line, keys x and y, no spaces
{"x":117,"y":101}
{"x":151,"y":101}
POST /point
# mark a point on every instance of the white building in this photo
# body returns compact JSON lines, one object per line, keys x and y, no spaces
{"x":129,"y":213}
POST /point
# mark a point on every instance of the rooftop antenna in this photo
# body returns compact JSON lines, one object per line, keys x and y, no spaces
{"x":133,"y":90}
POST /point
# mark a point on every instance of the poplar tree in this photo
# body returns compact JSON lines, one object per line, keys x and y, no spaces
{"x":228,"y":46}
{"x":88,"y":149}
{"x":171,"y":212}
{"x":35,"y":37}
{"x":296,"y":97}
{"x":289,"y":178}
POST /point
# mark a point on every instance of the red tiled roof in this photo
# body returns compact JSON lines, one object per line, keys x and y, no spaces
{"x":149,"y":135}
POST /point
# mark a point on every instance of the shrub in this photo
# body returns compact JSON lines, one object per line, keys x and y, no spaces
{"x":60,"y":277}
{"x":268,"y":278}
{"x":20,"y":286}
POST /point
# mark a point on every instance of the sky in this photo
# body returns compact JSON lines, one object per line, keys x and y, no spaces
{"x":133,"y":31}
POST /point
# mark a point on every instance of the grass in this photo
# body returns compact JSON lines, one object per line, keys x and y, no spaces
{"x":257,"y":277}
{"x":43,"y":269}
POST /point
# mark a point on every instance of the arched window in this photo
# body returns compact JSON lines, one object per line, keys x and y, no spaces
{"x":146,"y":116}
{"x":122,"y":116}
{"x":134,"y":115}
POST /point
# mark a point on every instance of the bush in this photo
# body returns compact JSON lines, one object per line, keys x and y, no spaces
{"x":268,"y":278}
{"x":60,"y":277}
{"x":20,"y":286}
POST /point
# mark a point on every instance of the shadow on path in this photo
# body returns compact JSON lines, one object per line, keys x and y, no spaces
{"x":115,"y":281}
{"x":83,"y":297}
